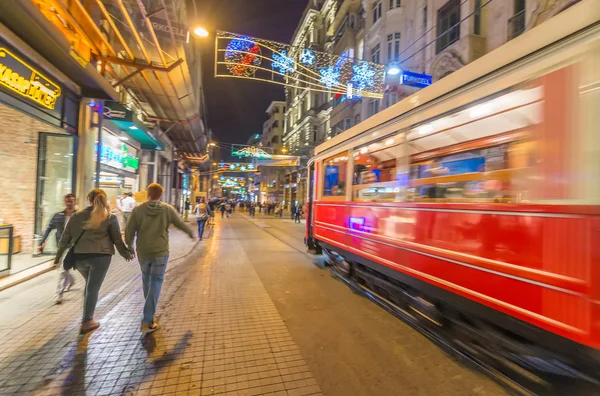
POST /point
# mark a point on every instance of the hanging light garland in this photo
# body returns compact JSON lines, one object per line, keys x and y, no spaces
{"x":248,"y":57}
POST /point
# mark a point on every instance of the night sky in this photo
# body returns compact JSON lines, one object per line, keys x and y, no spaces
{"x":236,"y":108}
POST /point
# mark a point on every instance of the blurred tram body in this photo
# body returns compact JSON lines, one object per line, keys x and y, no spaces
{"x":474,"y":204}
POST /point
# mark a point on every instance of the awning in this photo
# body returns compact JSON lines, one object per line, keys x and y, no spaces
{"x":126,"y":121}
{"x":27,"y":21}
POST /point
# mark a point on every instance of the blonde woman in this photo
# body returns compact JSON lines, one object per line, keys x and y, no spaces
{"x":94,"y":232}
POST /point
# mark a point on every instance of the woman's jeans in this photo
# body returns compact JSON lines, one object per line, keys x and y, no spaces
{"x":153,"y":275}
{"x":201,"y":223}
{"x":93,"y":271}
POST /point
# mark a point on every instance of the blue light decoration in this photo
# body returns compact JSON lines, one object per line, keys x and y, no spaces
{"x":329,"y":76}
{"x":283,"y":63}
{"x":308,"y":57}
{"x":363,"y":76}
{"x":242,"y":56}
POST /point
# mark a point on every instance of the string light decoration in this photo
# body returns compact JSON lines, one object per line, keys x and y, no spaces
{"x":243,"y":56}
{"x":308,"y":57}
{"x":283,"y":63}
{"x":237,"y":167}
{"x":363,"y":76}
{"x":240,"y":56}
{"x":330,"y":76}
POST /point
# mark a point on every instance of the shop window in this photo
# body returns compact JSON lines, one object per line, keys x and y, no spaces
{"x":334,"y":180}
{"x":381,"y":171}
{"x":448,"y":27}
{"x":54,"y":180}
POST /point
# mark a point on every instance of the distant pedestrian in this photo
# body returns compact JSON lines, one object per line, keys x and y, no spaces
{"x":94,"y":233}
{"x":228,"y":209}
{"x":297,"y":213}
{"x":222,"y":209}
{"x":211,"y":213}
{"x":202,"y":212}
{"x":126,"y":206}
{"x":187,"y":208}
{"x":150,"y":221}
{"x":59,"y":223}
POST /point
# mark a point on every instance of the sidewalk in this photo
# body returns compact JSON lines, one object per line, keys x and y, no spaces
{"x":221,"y":333}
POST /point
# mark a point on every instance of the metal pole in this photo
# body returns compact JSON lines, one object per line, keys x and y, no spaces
{"x":99,"y":144}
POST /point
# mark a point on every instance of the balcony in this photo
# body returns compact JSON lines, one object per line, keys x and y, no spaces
{"x":516,"y":25}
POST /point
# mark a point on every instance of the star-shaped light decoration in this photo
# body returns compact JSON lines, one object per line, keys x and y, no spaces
{"x":329,"y":77}
{"x":283,"y":63}
{"x":232,"y":166}
{"x":243,"y":168}
{"x":308,"y":57}
{"x":250,"y":166}
{"x":363,"y":76}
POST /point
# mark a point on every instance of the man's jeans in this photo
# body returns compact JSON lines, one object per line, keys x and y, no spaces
{"x":65,"y":281}
{"x":153,"y":274}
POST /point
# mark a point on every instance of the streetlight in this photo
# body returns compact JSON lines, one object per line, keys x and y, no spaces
{"x":211,"y":144}
{"x":200,"y":31}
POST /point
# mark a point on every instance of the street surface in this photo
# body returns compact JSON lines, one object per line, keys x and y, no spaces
{"x":245,"y":312}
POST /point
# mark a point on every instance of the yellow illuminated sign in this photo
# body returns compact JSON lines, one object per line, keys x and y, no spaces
{"x":24,"y":80}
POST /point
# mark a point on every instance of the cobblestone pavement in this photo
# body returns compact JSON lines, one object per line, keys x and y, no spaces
{"x":220,"y":334}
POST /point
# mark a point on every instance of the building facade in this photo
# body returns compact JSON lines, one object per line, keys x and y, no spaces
{"x":272,"y":136}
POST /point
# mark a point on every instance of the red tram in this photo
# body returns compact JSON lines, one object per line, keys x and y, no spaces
{"x":476,"y":201}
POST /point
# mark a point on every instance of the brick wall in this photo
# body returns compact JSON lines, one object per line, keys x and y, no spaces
{"x":18,"y":166}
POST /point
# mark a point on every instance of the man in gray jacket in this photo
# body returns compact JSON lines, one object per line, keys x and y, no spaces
{"x":59,"y":222}
{"x":150,"y":221}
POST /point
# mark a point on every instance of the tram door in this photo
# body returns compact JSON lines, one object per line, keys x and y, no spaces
{"x":309,"y":240}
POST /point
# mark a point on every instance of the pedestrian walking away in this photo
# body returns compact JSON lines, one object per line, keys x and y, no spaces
{"x":222,"y":209}
{"x":149,"y":226}
{"x":202,"y":212}
{"x":188,"y":206}
{"x":228,"y":209}
{"x":93,"y":234}
{"x":59,"y":222}
{"x":126,"y":206}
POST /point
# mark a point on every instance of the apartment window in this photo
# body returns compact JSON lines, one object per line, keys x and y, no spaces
{"x":448,"y":27}
{"x":275,"y":124}
{"x":425,"y":19}
{"x":477,"y":18}
{"x":361,"y":49}
{"x":357,"y":119}
{"x":393,"y":47}
{"x":376,"y":12}
{"x":275,"y":139}
{"x":373,"y":107}
{"x":375,"y":54}
{"x":516,"y":24}
{"x":395,"y":4}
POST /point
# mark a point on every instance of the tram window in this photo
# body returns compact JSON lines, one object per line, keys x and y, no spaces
{"x":490,"y":174}
{"x":334,"y":180}
{"x":380,"y":171}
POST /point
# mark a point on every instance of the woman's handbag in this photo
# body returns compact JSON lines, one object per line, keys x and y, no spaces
{"x":69,"y":261}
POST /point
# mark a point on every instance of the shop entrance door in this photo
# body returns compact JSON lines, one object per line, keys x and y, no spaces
{"x":54,"y":181}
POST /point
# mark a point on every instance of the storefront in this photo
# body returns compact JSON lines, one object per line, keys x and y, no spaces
{"x":119,"y":163}
{"x":38,"y":123}
{"x":129,"y":159}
